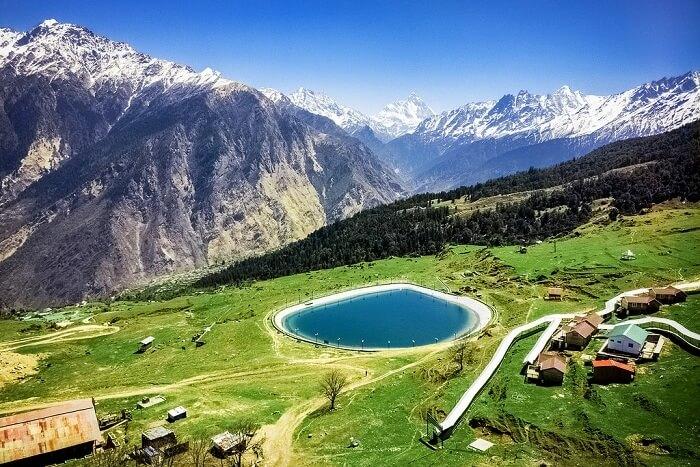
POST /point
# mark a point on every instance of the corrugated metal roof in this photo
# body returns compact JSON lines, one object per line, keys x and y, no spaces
{"x":37,"y":432}
{"x":613,"y":363}
{"x":631,"y":331}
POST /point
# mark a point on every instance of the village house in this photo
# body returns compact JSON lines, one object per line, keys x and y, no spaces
{"x":667,"y":295}
{"x":226,"y":443}
{"x":611,"y":371}
{"x":52,"y":435}
{"x":555,"y":293}
{"x":638,"y":304}
{"x":158,"y":437}
{"x":552,"y":368}
{"x":627,"y":338}
{"x":577,"y":333}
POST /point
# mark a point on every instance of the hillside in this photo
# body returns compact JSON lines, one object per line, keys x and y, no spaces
{"x":117,"y":167}
{"x":418,"y":226}
{"x":248,"y":371}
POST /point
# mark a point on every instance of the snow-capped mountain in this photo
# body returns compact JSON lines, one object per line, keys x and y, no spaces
{"x":319,"y":103}
{"x":116,"y":166}
{"x":650,"y":108}
{"x":70,"y":51}
{"x":394,"y":120}
{"x":401,"y":117}
{"x":486,"y":139}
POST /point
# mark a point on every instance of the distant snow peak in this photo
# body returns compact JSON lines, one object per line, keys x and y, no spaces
{"x":401,"y":117}
{"x":650,"y":108}
{"x":321,"y":104}
{"x":394,"y":120}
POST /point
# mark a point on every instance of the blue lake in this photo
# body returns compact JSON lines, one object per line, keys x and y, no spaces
{"x":387,"y":319}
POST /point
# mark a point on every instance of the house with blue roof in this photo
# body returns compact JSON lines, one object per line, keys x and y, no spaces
{"x":627,"y":338}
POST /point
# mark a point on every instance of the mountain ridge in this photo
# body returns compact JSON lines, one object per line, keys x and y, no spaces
{"x":118,"y":167}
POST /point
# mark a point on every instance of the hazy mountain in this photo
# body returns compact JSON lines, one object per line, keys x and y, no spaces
{"x":117,"y":167}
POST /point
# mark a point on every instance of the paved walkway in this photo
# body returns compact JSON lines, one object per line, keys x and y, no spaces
{"x":551,"y":322}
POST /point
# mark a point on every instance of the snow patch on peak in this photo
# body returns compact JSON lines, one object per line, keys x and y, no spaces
{"x":64,"y":50}
{"x":48,"y":23}
{"x":321,"y":104}
{"x":401,"y":117}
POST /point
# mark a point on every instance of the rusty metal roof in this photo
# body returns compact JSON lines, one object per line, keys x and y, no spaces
{"x":37,"y":432}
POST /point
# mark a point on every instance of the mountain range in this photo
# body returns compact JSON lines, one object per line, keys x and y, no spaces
{"x":116,"y":167}
{"x":483,"y":140}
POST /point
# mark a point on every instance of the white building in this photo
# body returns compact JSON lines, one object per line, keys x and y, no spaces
{"x":627,"y":338}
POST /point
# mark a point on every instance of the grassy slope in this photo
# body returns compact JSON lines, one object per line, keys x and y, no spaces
{"x":248,"y":372}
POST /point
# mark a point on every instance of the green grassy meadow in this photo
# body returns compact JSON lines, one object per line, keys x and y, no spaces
{"x":248,"y":370}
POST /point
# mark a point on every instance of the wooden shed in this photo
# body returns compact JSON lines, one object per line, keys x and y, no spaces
{"x":158,"y":437}
{"x":226,"y":443}
{"x":639,"y":304}
{"x":52,"y":435}
{"x":580,"y":331}
{"x":667,"y":295}
{"x":611,"y":371}
{"x":555,"y":293}
{"x":552,"y":368}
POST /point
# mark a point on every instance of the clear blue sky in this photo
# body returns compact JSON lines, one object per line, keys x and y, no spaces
{"x":366,"y":54}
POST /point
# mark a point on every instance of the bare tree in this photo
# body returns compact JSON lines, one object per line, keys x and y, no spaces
{"x":117,"y":457}
{"x":332,"y":384}
{"x":248,"y":444}
{"x":198,"y":453}
{"x":458,"y":355}
{"x":463,"y":353}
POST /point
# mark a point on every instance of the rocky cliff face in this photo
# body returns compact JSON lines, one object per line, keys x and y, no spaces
{"x":117,"y":167}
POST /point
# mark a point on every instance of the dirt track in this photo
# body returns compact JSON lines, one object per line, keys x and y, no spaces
{"x":86,"y":331}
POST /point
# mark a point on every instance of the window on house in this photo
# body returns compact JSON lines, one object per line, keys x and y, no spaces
{"x":630,"y":345}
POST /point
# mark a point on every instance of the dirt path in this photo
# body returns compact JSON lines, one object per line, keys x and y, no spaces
{"x":87,"y":331}
{"x":278,"y":437}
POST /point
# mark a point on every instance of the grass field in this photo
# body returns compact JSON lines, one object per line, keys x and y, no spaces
{"x":246,"y":370}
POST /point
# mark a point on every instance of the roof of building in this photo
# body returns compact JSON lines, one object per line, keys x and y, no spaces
{"x":227,"y":440}
{"x":480,"y":444}
{"x":631,"y":331}
{"x":41,"y":431}
{"x":639,"y":299}
{"x":594,"y":319}
{"x":157,"y":433}
{"x":555,"y":291}
{"x":613,"y":364}
{"x":584,"y":329}
{"x":552,"y":360}
{"x":669,"y":290}
{"x":177,"y":411}
{"x":147,"y":340}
